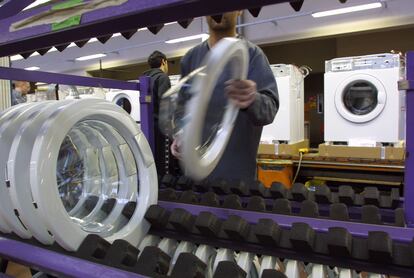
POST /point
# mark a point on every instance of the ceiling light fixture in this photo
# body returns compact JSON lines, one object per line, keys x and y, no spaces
{"x":203,"y":37}
{"x":90,"y":57}
{"x":348,"y":10}
{"x":32,"y":68}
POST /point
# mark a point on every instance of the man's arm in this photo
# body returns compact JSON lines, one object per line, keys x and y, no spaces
{"x":257,"y":96}
{"x":266,"y":104}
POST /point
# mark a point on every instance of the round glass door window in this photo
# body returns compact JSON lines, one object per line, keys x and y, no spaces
{"x":125,"y":104}
{"x":360,"y":97}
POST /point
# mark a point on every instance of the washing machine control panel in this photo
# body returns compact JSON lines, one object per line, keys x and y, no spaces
{"x":380,"y":61}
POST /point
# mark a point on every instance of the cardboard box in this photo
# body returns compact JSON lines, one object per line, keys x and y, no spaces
{"x":282,"y":149}
{"x":386,"y":153}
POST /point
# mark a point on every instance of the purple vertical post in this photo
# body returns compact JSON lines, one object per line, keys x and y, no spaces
{"x":147,"y":110}
{"x":408,"y":85}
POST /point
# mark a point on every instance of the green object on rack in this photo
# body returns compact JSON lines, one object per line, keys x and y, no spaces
{"x":70,"y":22}
{"x":66,"y":5}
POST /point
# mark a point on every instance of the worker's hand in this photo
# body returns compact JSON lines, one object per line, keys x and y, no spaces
{"x":175,"y":149}
{"x":241,"y":92}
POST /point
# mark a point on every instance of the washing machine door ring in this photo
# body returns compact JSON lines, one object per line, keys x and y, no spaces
{"x":124,"y":101}
{"x":201,"y":158}
{"x":101,"y":117}
{"x":360,"y":98}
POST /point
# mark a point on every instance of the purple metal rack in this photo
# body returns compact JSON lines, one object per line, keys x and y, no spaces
{"x":55,"y":78}
{"x":126,"y":17}
{"x":286,"y":221}
{"x":408,"y":85}
{"x":55,"y":263}
{"x":65,"y":79}
{"x":11,"y":8}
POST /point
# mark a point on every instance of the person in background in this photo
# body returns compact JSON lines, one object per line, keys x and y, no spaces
{"x":256,"y":97}
{"x":20,"y":90}
{"x":160,"y":83}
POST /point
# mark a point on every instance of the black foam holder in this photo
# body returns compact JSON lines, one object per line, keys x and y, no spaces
{"x":339,"y":242}
{"x":299,"y":192}
{"x":210,"y":199}
{"x":371,"y":196}
{"x":267,"y":232}
{"x":282,"y":206}
{"x":302,"y":237}
{"x":152,"y":262}
{"x":91,"y":202}
{"x":257,"y":188}
{"x":232,"y":202}
{"x":168,"y":180}
{"x":181,"y":220}
{"x":309,"y":209}
{"x":239,"y":187}
{"x":227,"y":269}
{"x":323,"y":194}
{"x":256,"y":203}
{"x":93,"y":248}
{"x":338,"y":211}
{"x":129,"y":209}
{"x":208,"y":224}
{"x":121,"y":254}
{"x":201,"y":186}
{"x":220,"y":186}
{"x":380,"y":247}
{"x":346,"y":195}
{"x":188,"y":265}
{"x":236,"y":228}
{"x":395,"y":197}
{"x":399,"y":219}
{"x":273,"y":273}
{"x":184,"y":183}
{"x":371,"y":214}
{"x":167,"y":195}
{"x":278,"y":190}
{"x":157,"y":216}
{"x":188,"y":197}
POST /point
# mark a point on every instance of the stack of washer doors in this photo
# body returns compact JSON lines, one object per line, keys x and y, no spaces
{"x":69,"y":168}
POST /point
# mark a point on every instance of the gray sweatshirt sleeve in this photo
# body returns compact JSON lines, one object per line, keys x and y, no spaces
{"x":263,"y":110}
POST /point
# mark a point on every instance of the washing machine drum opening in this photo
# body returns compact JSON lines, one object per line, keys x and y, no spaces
{"x":96,"y":171}
{"x":360,"y":97}
{"x":125,"y":104}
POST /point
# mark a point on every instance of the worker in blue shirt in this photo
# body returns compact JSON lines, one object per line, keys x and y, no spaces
{"x":257,"y":98}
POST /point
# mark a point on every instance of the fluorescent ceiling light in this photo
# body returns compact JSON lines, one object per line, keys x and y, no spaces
{"x":348,"y":10}
{"x":32,"y":68}
{"x":189,"y":38}
{"x":90,"y":57}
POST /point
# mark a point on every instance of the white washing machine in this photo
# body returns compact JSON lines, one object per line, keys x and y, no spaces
{"x":128,"y":100}
{"x":288,"y":125}
{"x":362,"y":100}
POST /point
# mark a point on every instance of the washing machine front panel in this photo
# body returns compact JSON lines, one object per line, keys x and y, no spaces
{"x":360,"y":98}
{"x":280,"y":128}
{"x":383,"y":122}
{"x":128,"y":100}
